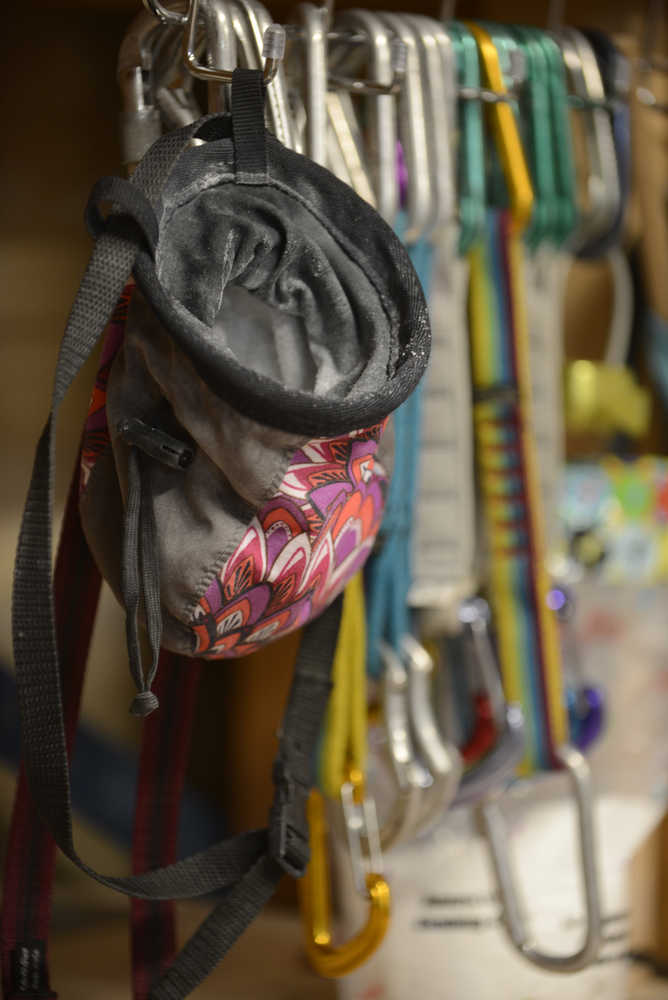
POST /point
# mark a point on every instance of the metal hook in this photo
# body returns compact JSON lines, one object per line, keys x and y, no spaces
{"x":221,"y":49}
{"x":166,"y":14}
{"x":251,"y":21}
{"x":273,"y":51}
{"x":315,"y":892}
{"x":381,"y":126}
{"x":314,"y":21}
{"x":173,"y":88}
{"x":603,"y":189}
{"x":420,"y":203}
{"x":441,"y":756}
{"x":408,"y":808}
{"x":345,"y":145}
{"x":370,"y":87}
{"x":140,"y":119}
{"x":577,"y":769}
{"x":497,"y":744}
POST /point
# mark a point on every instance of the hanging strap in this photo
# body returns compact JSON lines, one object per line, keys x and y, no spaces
{"x":250,"y":145}
{"x":545,"y":271}
{"x":443,"y":536}
{"x":29,"y":866}
{"x":162,"y":770}
{"x":527,"y":631}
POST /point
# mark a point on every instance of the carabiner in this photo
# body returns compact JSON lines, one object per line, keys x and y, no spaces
{"x":577,"y":769}
{"x":441,"y":756}
{"x":329,"y":960}
{"x":496,"y":745}
{"x":410,"y":778}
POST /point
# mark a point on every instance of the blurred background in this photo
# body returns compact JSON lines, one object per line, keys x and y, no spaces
{"x":60,"y":106}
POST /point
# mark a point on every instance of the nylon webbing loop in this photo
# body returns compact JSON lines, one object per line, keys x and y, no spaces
{"x":443,"y":551}
{"x":248,"y":128}
{"x":528,"y":642}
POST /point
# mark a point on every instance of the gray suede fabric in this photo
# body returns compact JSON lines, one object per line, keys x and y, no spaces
{"x":292,"y":265}
{"x":203,"y":511}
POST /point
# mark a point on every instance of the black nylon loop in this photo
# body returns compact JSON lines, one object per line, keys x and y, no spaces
{"x":120,"y":193}
{"x":248,"y":128}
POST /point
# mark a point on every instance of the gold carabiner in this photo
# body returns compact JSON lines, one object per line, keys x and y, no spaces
{"x":342,"y":764}
{"x":327,"y":959}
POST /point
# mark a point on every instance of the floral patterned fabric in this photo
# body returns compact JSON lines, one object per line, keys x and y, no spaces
{"x":300,"y":550}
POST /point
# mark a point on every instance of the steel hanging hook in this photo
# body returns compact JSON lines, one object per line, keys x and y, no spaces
{"x":166,"y":14}
{"x":273,"y":51}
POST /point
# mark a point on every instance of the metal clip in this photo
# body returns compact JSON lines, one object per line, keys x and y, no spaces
{"x":315,"y":893}
{"x":361,"y":820}
{"x":409,"y":776}
{"x":273,"y":51}
{"x":441,"y":756}
{"x":577,"y":769}
{"x":166,"y":14}
{"x":398,"y":62}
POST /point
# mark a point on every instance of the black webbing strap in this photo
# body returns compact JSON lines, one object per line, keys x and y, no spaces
{"x":248,"y":128}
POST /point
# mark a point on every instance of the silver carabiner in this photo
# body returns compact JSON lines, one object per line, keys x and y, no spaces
{"x":500,"y":762}
{"x":410,"y":778}
{"x":271,"y":44}
{"x":603,"y":190}
{"x":140,"y":119}
{"x":381,"y":116}
{"x":577,"y":769}
{"x":420,"y":195}
{"x":313,"y":37}
{"x":438,"y":72}
{"x":346,"y":156}
{"x":166,"y":15}
{"x":221,"y":49}
{"x":442,"y":757}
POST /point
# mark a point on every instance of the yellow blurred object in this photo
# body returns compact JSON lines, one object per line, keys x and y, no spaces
{"x":603,"y":399}
{"x":341,"y":773}
{"x":333,"y":961}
